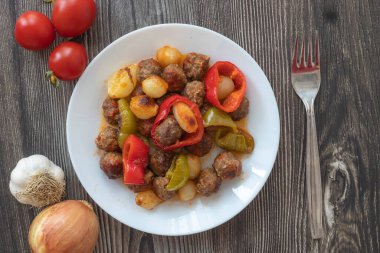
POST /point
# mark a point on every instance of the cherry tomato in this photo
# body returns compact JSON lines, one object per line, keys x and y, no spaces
{"x":68,"y":60}
{"x":34,"y":30}
{"x":73,"y":17}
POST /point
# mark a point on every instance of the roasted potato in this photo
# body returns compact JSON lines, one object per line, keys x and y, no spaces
{"x":122,"y":82}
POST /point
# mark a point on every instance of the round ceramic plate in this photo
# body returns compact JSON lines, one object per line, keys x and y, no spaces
{"x":171,"y":217}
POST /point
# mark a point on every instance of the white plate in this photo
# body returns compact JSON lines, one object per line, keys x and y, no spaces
{"x":173,"y":217}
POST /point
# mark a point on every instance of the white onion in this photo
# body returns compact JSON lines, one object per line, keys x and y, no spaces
{"x":154,"y":86}
{"x":225,"y":87}
{"x":188,"y":191}
{"x":168,"y":55}
{"x":195,"y":165}
{"x":69,"y":226}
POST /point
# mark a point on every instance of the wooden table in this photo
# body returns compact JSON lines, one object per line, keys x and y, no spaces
{"x":347,"y":115}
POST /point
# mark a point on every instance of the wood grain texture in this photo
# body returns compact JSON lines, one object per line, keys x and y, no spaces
{"x":347,"y":115}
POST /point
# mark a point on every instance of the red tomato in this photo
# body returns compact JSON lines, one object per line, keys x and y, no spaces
{"x":34,"y":30}
{"x":68,"y":60}
{"x":73,"y":17}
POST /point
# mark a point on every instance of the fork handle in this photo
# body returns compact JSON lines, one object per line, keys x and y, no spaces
{"x":313,"y":176}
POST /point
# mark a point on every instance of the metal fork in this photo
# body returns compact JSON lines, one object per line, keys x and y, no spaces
{"x":306,"y":79}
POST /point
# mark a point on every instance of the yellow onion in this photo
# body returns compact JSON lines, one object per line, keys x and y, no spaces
{"x":69,"y":226}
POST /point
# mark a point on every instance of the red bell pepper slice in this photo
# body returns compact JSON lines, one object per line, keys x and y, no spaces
{"x":189,"y":138}
{"x":225,"y":68}
{"x":135,"y":160}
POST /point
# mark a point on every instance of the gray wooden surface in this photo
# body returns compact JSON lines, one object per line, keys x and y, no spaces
{"x":347,"y":115}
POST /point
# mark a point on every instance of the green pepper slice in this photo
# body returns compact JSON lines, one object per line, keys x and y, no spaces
{"x":121,"y":138}
{"x":216,"y":117}
{"x":178,"y":174}
{"x":169,"y":173}
{"x":239,"y":141}
{"x":128,"y":122}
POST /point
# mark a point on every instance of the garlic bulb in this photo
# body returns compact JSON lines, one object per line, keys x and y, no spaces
{"x":37,"y":181}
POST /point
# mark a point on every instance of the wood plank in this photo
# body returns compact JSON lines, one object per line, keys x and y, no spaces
{"x":347,"y":115}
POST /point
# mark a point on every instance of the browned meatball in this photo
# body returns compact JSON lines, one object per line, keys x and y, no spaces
{"x":195,"y":91}
{"x":202,"y":147}
{"x":208,"y":182}
{"x":147,"y":68}
{"x":159,"y":184}
{"x":195,"y":66}
{"x":175,"y":77}
{"x":148,"y":179}
{"x":144,"y":126}
{"x":168,"y":132}
{"x":107,"y":139}
{"x":111,"y":110}
{"x":137,"y":91}
{"x":112,"y":164}
{"x":160,"y":162}
{"x":241,"y":111}
{"x":227,"y":166}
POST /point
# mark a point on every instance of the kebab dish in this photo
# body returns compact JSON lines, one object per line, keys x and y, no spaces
{"x":166,"y":112}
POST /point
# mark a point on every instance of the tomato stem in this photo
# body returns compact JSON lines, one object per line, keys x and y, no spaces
{"x":53,"y":80}
{"x":48,"y":1}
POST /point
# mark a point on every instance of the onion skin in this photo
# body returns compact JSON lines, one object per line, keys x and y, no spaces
{"x":69,"y":226}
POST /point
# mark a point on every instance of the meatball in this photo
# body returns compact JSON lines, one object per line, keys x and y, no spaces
{"x":107,"y":139}
{"x":160,"y":162}
{"x":168,"y":132}
{"x":203,"y":147}
{"x":175,"y":77}
{"x":195,"y":91}
{"x":148,"y":179}
{"x":241,"y":111}
{"x":208,"y":182}
{"x":112,"y":164}
{"x":147,"y":68}
{"x":227,"y":166}
{"x":159,"y":184}
{"x":195,"y":66}
{"x":111,"y":110}
{"x":137,"y":91}
{"x":144,"y":126}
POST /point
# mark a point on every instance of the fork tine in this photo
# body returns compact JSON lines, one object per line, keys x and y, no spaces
{"x":295,"y":53}
{"x":302,"y":63}
{"x":310,"y":52}
{"x":316,"y":49}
